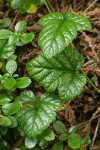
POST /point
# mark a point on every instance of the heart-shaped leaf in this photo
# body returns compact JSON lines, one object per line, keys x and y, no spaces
{"x":59,"y":30}
{"x":61,"y":71}
{"x":35,"y":118}
{"x":26,"y":97}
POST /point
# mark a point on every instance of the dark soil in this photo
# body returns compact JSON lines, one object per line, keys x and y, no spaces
{"x":84,"y":110}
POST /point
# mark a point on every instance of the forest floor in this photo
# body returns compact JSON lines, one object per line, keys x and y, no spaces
{"x":84,"y":110}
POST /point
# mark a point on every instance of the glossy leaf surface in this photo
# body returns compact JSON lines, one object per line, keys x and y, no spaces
{"x":35,"y":118}
{"x":11,"y":66}
{"x":48,"y":135}
{"x":23,"y":82}
{"x":30,"y":142}
{"x":26,"y":97}
{"x":11,"y":108}
{"x":59,"y":30}
{"x":6,"y":49}
{"x":5,"y":34}
{"x":60,"y":72}
{"x":20,"y":26}
{"x":4,"y":100}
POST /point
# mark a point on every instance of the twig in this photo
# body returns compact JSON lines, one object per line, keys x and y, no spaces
{"x":46,"y":4}
{"x":89,"y":6}
{"x":88,"y":121}
{"x":95,"y":134}
{"x":90,"y":82}
{"x":13,"y":22}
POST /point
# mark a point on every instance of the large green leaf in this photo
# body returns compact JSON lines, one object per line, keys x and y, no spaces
{"x":36,"y":117}
{"x":59,"y":72}
{"x":6,"y":49}
{"x":59,"y":30}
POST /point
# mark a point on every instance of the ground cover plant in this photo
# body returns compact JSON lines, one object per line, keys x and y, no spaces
{"x":57,"y":70}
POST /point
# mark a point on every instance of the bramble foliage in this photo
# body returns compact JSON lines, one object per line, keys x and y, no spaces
{"x":56,"y":68}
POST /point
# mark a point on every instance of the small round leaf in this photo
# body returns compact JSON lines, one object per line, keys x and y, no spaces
{"x":11,"y":66}
{"x":49,"y":135}
{"x":23,"y":82}
{"x":59,"y":126}
{"x":26,"y":38}
{"x":73,"y":129}
{"x":14,"y":122}
{"x":4,"y":101}
{"x":5,"y":121}
{"x":11,"y":108}
{"x":30,"y":142}
{"x":58,"y":146}
{"x":9,"y":83}
{"x":74,"y":141}
{"x":20,"y":26}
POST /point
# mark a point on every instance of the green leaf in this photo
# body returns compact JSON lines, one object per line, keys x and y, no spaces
{"x":81,"y":22}
{"x":27,"y":37}
{"x":14,"y":39}
{"x":11,"y":66}
{"x":11,"y":108}
{"x":16,"y":3}
{"x":73,"y":129}
{"x":43,"y":144}
{"x":34,"y":119}
{"x":63,"y":137}
{"x":13,"y":121}
{"x":23,"y":82}
{"x":48,"y":135}
{"x":6,"y":49}
{"x":30,"y":142}
{"x":5,"y":121}
{"x":5,"y":22}
{"x":39,"y":2}
{"x":20,"y":26}
{"x":3,"y":130}
{"x":9,"y":83}
{"x":4,"y":100}
{"x":61,"y":71}
{"x":58,"y":146}
{"x":74,"y":141}
{"x":86,"y":141}
{"x":59,"y":30}
{"x":5,"y":34}
{"x":26,"y":97}
{"x":59,"y":126}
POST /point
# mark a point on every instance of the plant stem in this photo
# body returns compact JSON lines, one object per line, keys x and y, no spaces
{"x":46,"y":4}
{"x":90,"y":82}
{"x":90,"y":6}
